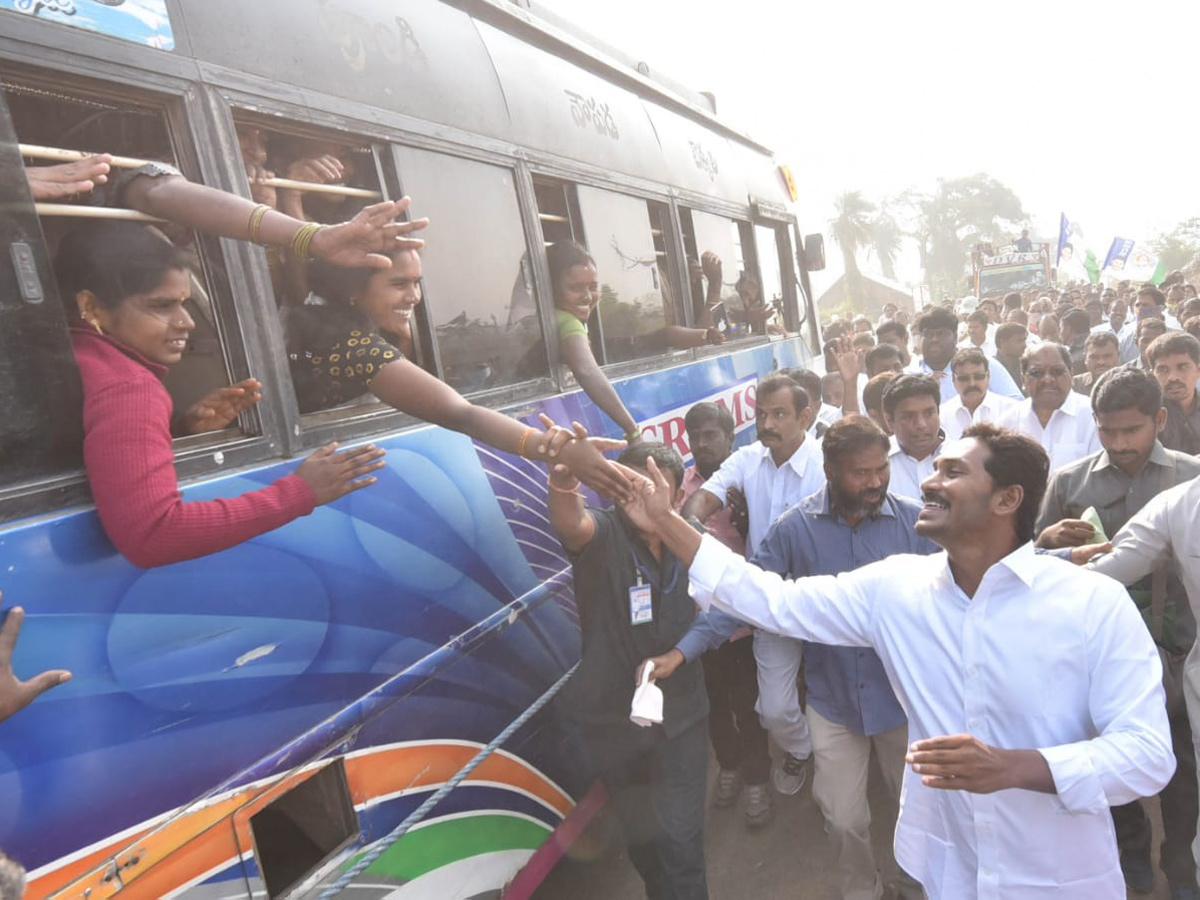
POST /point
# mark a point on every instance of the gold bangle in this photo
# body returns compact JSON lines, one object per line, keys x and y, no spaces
{"x":521,"y":445}
{"x":256,"y":217}
{"x":303,"y":239}
{"x":574,"y":490}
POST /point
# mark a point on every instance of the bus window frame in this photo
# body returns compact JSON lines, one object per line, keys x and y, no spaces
{"x":196,"y":456}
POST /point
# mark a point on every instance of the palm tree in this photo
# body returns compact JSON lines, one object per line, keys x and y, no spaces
{"x":851,"y":230}
{"x":886,"y":235}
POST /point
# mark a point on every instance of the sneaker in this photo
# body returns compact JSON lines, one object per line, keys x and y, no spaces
{"x":729,"y":785}
{"x":789,"y":775}
{"x":758,"y":805}
{"x":1139,"y":874}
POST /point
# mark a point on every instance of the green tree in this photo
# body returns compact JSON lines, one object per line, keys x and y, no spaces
{"x":886,"y":235}
{"x":1178,"y":247}
{"x":851,"y":231}
{"x":959,"y":213}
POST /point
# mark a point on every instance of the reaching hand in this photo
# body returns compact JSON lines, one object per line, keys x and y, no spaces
{"x":661,"y":666}
{"x":739,"y":510}
{"x":57,"y":182}
{"x":710,"y":265}
{"x":713,"y":336}
{"x":650,"y":499}
{"x":1066,"y":533}
{"x":584,"y":456}
{"x":256,"y":174}
{"x":327,"y":169}
{"x":369,"y":239}
{"x":332,"y":475}
{"x":218,"y":409}
{"x":15,"y":694}
{"x":963,"y":763}
{"x":1081,"y":556}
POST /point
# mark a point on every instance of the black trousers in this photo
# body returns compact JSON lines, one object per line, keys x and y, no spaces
{"x":1180,"y":808}
{"x":657,"y":786}
{"x":737,"y":735}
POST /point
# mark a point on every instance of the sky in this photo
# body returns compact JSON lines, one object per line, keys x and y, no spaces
{"x":1088,"y":108}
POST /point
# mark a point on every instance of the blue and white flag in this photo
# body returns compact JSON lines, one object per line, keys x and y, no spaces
{"x":1118,"y":254}
{"x":1064,"y":237}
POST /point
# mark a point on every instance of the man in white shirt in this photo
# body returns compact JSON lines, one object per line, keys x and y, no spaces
{"x":777,"y":471}
{"x":910,"y":408}
{"x":938,"y":329}
{"x":1054,"y":415}
{"x":1033,"y":690}
{"x":975,"y":401}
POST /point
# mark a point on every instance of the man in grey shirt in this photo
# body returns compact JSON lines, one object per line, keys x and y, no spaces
{"x":1116,"y":482}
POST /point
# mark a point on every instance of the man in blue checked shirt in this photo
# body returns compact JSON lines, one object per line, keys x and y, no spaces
{"x":852,"y":709}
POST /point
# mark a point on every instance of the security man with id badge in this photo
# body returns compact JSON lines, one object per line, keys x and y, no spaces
{"x":633,"y":603}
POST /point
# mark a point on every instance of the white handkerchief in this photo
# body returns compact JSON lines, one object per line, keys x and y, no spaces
{"x":647,"y":708}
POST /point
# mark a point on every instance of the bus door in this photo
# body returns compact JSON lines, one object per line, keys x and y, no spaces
{"x":40,"y":431}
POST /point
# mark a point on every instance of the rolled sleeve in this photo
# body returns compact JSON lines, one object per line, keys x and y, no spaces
{"x":711,"y":629}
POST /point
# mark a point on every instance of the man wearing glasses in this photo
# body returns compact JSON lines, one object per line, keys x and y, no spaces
{"x":938,"y":329}
{"x":975,"y":402}
{"x":1055,"y":416}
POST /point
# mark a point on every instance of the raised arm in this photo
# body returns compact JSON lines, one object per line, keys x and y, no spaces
{"x":577,"y":354}
{"x":568,"y":515}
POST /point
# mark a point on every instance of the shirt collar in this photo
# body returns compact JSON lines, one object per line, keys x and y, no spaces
{"x":799,"y":460}
{"x":896,"y":449}
{"x":157,"y":368}
{"x":1022,"y":562}
{"x":821,"y":503}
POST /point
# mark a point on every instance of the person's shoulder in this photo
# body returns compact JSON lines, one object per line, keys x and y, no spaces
{"x":1078,"y":469}
{"x":905,"y":508}
{"x":102,"y":364}
{"x":1185,"y":464}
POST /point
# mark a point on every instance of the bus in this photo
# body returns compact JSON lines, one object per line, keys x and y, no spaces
{"x":995,"y":274}
{"x":364,"y":698}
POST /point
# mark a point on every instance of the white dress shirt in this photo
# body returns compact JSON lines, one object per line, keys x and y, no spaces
{"x":770,"y":490}
{"x":1068,"y":436}
{"x":956,"y":418}
{"x":1001,"y":382}
{"x":1045,"y":656}
{"x":907,"y":472}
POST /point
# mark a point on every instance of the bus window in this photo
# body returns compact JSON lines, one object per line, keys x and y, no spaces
{"x":477,"y":277}
{"x":56,"y":122}
{"x":767,"y":241}
{"x":558,"y":211}
{"x":729,"y":291}
{"x":631,"y":308}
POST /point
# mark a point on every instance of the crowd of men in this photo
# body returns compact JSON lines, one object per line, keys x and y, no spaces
{"x":927,"y":569}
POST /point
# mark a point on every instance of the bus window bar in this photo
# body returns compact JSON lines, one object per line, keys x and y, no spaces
{"x":92,"y":212}
{"x":59,"y":154}
{"x":550,"y":217}
{"x":418,"y":814}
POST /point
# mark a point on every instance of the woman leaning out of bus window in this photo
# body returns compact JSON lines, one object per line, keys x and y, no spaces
{"x":574,"y":278}
{"x":355,"y":337}
{"x":125,"y":288}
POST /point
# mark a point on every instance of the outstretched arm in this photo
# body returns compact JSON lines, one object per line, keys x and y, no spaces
{"x":577,"y":354}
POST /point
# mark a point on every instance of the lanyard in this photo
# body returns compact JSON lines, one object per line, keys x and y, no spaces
{"x":647,"y":577}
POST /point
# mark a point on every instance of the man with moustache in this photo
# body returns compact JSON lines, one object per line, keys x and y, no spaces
{"x":852,"y":710}
{"x":1055,"y":416}
{"x":1102,"y":351}
{"x":975,"y":401}
{"x":1175,"y":360}
{"x":730,"y":676}
{"x":910,"y":406}
{"x":1118,"y":481}
{"x":774,"y":473}
{"x":1032,"y":690}
{"x":938,"y":328}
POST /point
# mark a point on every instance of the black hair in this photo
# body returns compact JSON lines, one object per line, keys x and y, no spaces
{"x":805,"y":384}
{"x":562,"y":256}
{"x":1012,"y":300}
{"x":937,"y":317}
{"x":1101,"y":337}
{"x":979,"y":316}
{"x":1149,"y":290}
{"x":904,"y":387}
{"x":703,"y":412}
{"x":850,"y":435}
{"x":1171,"y":344}
{"x":1030,"y":352}
{"x":891,"y":325}
{"x":113,"y":260}
{"x":1124,"y":388}
{"x":666,"y":458}
{"x":1015,"y":459}
{"x":1078,"y":321}
{"x":878,"y":353}
{"x":1008,"y":331}
{"x":873,"y":391}
{"x":969,"y":356}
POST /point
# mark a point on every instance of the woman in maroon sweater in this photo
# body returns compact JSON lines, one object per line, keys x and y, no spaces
{"x":128,"y":287}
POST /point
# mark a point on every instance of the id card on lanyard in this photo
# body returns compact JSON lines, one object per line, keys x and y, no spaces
{"x":641,"y":595}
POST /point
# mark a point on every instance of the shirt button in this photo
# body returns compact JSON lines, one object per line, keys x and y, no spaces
{"x":974,"y":723}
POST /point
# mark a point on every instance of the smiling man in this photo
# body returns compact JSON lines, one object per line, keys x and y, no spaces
{"x":1054,"y":415}
{"x":1032,"y":689}
{"x":975,"y":402}
{"x":1117,"y":482}
{"x":1175,"y":361}
{"x":910,"y":408}
{"x":938,"y":329}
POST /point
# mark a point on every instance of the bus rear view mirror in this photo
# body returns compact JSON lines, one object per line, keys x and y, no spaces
{"x":814,"y":252}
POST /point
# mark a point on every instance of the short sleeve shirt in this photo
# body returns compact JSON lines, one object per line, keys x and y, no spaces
{"x":569,"y":324}
{"x":330,"y":375}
